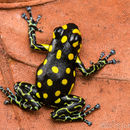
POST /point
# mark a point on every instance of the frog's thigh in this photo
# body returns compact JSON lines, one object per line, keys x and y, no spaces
{"x":27,"y":94}
{"x":23,"y":88}
{"x":69,"y":109}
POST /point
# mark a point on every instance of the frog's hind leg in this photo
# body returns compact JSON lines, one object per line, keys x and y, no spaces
{"x":70,"y":109}
{"x":25,"y":96}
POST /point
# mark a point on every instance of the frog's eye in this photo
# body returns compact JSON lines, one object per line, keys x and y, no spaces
{"x":75,"y":37}
{"x":58,"y":32}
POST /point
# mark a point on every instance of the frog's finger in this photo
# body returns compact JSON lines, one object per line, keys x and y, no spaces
{"x":7,"y":102}
{"x":38,"y":18}
{"x":24,"y":16}
{"x":29,"y":11}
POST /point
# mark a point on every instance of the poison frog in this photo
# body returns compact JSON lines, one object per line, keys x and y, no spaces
{"x":55,"y":77}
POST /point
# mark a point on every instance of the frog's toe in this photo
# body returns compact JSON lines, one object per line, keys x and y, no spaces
{"x":31,"y":22}
{"x":24,"y":16}
{"x":97,"y":106}
{"x":30,"y":14}
{"x":28,"y":8}
{"x":38,"y":18}
{"x":112,"y":52}
{"x":87,"y":122}
{"x":9,"y":94}
{"x":4,"y":91}
{"x":87,"y":107}
{"x":102,"y":55}
{"x":7,"y":102}
{"x":113,"y":61}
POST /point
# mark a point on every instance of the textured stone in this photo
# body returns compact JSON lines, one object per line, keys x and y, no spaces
{"x":8,"y":4}
{"x":103,"y":25}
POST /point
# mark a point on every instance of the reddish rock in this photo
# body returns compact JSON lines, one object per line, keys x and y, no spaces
{"x":104,"y":26}
{"x":8,"y":4}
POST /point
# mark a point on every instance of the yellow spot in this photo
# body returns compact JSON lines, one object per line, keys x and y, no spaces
{"x":45,"y":61}
{"x":80,"y":45}
{"x":58,"y":100}
{"x":57,"y":93}
{"x":49,"y":82}
{"x":58,"y":55}
{"x":45,"y":95}
{"x":40,"y":71}
{"x":64,"y":27}
{"x":68,"y":70}
{"x":64,"y":39}
{"x":71,"y":88}
{"x":38,"y":95}
{"x":64,"y":81}
{"x":78,"y":50}
{"x":54,"y":36}
{"x":39,"y":85}
{"x":50,"y":48}
{"x":74,"y":73}
{"x":78,"y":60}
{"x":55,"y":69}
{"x":76,"y":31}
{"x":75,"y":44}
{"x":71,"y":56}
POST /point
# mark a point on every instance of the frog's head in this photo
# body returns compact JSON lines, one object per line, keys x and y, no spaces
{"x":68,"y":33}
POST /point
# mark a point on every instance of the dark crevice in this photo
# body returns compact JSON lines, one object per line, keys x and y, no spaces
{"x":7,"y":74}
{"x":20,"y":61}
{"x":19,"y":5}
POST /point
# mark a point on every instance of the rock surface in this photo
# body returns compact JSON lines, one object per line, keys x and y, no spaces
{"x":104,"y":25}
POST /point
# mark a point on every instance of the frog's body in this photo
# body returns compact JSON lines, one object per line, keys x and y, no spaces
{"x":57,"y":73}
{"x":55,"y":77}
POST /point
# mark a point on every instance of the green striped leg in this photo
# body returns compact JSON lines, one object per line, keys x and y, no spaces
{"x":70,"y":109}
{"x":95,"y":67}
{"x":24,"y":96}
{"x":9,"y":94}
{"x":32,"y":28}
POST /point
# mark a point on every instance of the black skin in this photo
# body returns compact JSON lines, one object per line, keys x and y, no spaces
{"x":55,"y":77}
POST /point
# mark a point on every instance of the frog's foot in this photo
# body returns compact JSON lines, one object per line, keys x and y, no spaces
{"x":24,"y":98}
{"x":31,"y":21}
{"x":97,"y":106}
{"x":9,"y":94}
{"x":70,"y":109}
{"x":113,"y":61}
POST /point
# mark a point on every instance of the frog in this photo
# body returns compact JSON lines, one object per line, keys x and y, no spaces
{"x":55,"y":76}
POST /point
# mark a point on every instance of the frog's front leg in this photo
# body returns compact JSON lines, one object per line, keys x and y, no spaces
{"x":95,"y":67}
{"x":70,"y":107}
{"x":32,"y":28}
{"x":25,"y":96}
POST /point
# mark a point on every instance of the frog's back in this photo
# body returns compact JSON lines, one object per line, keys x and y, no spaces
{"x":56,"y":75}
